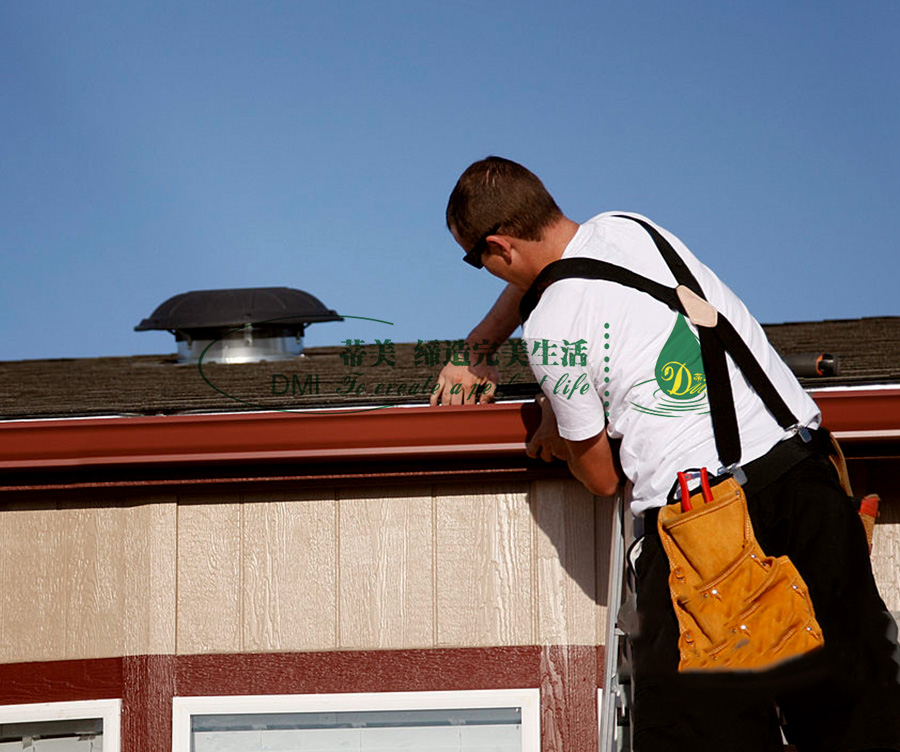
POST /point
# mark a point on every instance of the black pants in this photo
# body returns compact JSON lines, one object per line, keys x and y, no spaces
{"x":843,"y":697}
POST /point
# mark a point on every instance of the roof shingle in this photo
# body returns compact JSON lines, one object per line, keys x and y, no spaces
{"x":868,"y":351}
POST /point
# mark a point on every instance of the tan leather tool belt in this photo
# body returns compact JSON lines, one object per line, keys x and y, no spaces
{"x":736,"y":607}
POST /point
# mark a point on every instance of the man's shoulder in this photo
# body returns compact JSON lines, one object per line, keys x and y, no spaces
{"x":557,"y":308}
{"x":568,"y":308}
{"x":618,"y":215}
{"x":616,"y":233}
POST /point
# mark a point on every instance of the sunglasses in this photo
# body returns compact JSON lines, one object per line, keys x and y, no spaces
{"x":474,"y":254}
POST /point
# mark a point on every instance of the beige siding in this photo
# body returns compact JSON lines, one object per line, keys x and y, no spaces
{"x":95,"y":592}
{"x":604,"y":517}
{"x":371,"y":568}
{"x":149,"y":553}
{"x":566,"y":555}
{"x":33,"y":564}
{"x":209,"y":612}
{"x":289,"y":572}
{"x":484,"y":572}
{"x":325,"y":569}
{"x":886,"y":555}
{"x":386,"y":563}
{"x":87,"y":580}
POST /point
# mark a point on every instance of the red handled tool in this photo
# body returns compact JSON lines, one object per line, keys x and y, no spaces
{"x":704,"y":484}
{"x":685,"y":493}
{"x":686,"y":505}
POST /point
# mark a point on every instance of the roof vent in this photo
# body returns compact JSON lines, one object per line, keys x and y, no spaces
{"x":246,"y":325}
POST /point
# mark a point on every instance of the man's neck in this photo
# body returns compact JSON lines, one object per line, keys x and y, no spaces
{"x":558,"y":236}
{"x":551,"y":246}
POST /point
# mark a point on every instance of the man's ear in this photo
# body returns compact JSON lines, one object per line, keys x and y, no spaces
{"x":502,"y":245}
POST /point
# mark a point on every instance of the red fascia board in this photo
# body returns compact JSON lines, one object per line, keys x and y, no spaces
{"x":859,"y":411}
{"x":390,"y":433}
{"x":250,"y":437}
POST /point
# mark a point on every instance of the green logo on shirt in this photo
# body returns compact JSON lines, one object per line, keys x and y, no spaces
{"x":679,"y":377}
{"x":679,"y":368}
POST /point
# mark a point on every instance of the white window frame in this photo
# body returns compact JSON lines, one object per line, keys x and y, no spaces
{"x":110,"y":711}
{"x":600,"y":715}
{"x":526,"y":699}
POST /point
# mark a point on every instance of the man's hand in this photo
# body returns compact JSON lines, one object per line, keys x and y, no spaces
{"x":459,"y":385}
{"x":466,"y":385}
{"x":546,"y":442}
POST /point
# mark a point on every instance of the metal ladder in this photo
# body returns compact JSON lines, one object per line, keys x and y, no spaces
{"x":615,"y":708}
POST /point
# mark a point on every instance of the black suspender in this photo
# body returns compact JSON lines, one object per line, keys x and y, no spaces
{"x":715,"y":338}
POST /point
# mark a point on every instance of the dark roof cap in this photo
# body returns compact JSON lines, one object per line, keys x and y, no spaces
{"x":281,"y":307}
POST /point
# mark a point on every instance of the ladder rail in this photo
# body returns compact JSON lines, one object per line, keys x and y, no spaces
{"x":610,"y":691}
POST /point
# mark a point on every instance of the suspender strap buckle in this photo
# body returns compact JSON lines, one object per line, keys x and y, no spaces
{"x":699,"y":311}
{"x":736,"y":472}
{"x":802,"y":432}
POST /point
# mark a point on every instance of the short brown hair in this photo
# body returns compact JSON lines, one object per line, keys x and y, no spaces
{"x":497,"y":192}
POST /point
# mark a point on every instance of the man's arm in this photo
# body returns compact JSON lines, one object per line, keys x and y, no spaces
{"x":494,"y":328}
{"x":591,"y":461}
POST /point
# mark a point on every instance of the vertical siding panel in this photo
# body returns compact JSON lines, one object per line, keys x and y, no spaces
{"x":95,"y":576}
{"x":569,"y":698}
{"x":209,"y":574}
{"x":289,"y":573}
{"x":484,"y":566}
{"x":605,"y":519}
{"x":886,"y":555}
{"x":32,"y":584}
{"x":386,"y":553}
{"x":880,"y":476}
{"x":566,"y":562}
{"x":150,"y":577}
{"x":149,"y":683}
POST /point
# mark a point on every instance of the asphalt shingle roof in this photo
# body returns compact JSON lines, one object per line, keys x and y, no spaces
{"x":868,"y":351}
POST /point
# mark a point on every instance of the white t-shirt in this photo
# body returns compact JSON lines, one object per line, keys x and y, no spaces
{"x":609,"y":356}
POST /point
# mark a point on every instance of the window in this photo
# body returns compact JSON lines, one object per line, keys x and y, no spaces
{"x":474,"y":721}
{"x":91,"y":726}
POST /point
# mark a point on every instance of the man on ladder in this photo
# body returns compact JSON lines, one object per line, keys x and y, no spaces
{"x":651,"y":367}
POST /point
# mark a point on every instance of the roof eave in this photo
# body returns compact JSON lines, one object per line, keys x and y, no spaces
{"x":390,"y":433}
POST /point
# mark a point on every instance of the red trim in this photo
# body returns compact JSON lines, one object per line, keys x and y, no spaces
{"x":567,"y":675}
{"x":389,"y":434}
{"x":60,"y":681}
{"x":570,"y":675}
{"x":147,"y":691}
{"x":874,"y":410}
{"x":297,"y":673}
{"x":252,"y":437}
{"x":359,"y":671}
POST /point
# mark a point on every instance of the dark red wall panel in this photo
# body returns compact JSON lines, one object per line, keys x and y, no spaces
{"x":147,"y":691}
{"x":359,"y":671}
{"x":60,"y":681}
{"x":568,"y":677}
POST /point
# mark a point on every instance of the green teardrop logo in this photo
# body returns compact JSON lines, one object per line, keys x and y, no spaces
{"x":679,"y":369}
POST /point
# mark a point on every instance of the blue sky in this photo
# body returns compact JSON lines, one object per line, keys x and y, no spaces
{"x":151,"y":148}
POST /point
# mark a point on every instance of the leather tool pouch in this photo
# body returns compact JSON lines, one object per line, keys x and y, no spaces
{"x":736,"y":607}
